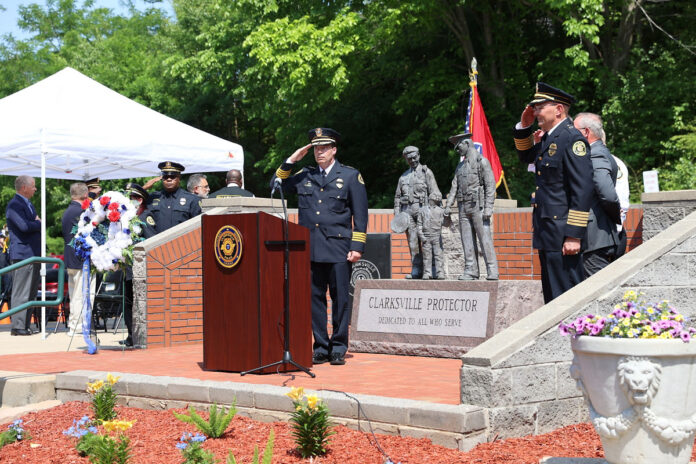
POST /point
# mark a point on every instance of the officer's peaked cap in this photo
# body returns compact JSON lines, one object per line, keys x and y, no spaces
{"x":170,"y":167}
{"x":324,"y":136}
{"x":544,"y":92}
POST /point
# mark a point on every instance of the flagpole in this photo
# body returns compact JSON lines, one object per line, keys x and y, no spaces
{"x":473,"y":81}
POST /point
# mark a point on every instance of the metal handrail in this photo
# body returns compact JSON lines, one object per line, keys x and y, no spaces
{"x":61,"y":282}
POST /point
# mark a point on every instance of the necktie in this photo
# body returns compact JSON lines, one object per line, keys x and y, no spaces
{"x":323,"y":174}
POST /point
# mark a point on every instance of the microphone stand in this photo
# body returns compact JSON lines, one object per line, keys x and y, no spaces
{"x":287,"y":356}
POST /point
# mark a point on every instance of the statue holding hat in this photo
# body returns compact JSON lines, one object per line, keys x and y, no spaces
{"x":473,"y":187}
{"x":413,"y":191}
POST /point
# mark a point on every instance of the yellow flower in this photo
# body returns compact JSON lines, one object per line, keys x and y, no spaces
{"x":679,"y":318}
{"x":111,"y":426}
{"x":298,"y":407}
{"x":111,"y":379}
{"x":296,"y":393}
{"x":95,"y":386}
{"x":312,"y":401}
{"x":615,"y":330}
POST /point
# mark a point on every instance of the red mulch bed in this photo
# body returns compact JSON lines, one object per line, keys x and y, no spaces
{"x":155,"y":434}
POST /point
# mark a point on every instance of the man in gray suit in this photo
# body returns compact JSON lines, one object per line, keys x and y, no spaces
{"x":602,"y":235}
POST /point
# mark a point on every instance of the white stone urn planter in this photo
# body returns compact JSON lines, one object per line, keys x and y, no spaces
{"x":641,"y":394}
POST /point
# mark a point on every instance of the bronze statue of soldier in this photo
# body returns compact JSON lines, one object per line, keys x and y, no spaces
{"x":413,"y":192}
{"x":473,"y":187}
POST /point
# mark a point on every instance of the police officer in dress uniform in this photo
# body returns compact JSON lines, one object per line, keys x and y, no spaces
{"x":172,"y":205}
{"x":602,"y":235}
{"x":564,"y":187}
{"x":138,"y":196}
{"x":332,"y":203}
{"x":93,"y":188}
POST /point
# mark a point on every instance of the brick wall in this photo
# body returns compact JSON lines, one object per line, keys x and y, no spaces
{"x":174,"y":292}
{"x":174,"y":280}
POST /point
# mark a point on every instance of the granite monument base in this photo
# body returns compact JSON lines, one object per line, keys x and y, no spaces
{"x":436,"y":318}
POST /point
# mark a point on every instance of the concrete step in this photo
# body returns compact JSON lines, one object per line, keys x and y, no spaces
{"x":21,"y":388}
{"x":10,"y":414}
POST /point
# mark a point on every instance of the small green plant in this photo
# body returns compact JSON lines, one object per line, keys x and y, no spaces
{"x":101,"y":449}
{"x":310,"y":423}
{"x":190,"y":446}
{"x":217,"y":423}
{"x":15,"y":432}
{"x":103,"y":398}
{"x":267,"y":453}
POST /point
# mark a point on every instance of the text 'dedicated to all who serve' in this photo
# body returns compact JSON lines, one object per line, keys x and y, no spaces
{"x":448,"y":313}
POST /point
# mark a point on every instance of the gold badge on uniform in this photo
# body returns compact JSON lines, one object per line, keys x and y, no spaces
{"x":182,"y":201}
{"x":552,"y":149}
{"x":579,"y":148}
{"x":339,"y":183}
{"x":150,"y":220}
{"x":318,"y":131}
{"x":360,"y":179}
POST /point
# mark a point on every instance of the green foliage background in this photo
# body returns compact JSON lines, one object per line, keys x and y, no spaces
{"x":385,"y":73}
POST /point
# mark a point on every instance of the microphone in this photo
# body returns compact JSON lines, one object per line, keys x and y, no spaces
{"x":276,"y":185}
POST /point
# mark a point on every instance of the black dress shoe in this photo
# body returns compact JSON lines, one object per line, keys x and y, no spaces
{"x":319,"y":358}
{"x":127,"y":342}
{"x":338,"y":359}
{"x":20,"y":332}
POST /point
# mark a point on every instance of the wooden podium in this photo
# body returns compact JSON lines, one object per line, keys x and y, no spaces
{"x":243,"y":302}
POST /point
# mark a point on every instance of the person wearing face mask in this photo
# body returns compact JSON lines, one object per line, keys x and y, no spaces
{"x":332,"y":204}
{"x":564,"y":188}
{"x":413,"y":191}
{"x":172,"y":205}
{"x":138,"y":197}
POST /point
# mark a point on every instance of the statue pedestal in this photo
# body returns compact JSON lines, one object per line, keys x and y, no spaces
{"x":435,"y":317}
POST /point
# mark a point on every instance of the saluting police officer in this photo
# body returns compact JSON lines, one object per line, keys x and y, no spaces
{"x":332,"y":204}
{"x":564,"y":187}
{"x":172,"y":205}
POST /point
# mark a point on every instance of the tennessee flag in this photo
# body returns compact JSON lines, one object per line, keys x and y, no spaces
{"x":477,"y":126}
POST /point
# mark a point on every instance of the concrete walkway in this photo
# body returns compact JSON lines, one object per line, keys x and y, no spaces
{"x":53,"y":342}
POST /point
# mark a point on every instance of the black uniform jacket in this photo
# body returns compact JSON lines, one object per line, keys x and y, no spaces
{"x":333,"y":208}
{"x":169,"y":209}
{"x":564,"y":188}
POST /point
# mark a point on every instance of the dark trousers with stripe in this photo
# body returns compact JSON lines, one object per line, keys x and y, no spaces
{"x":335,"y":277}
{"x":559,"y":272}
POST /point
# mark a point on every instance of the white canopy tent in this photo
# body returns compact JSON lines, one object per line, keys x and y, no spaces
{"x":69,"y":126}
{"x":83,"y":129}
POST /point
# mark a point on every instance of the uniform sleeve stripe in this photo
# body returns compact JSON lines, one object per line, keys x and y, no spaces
{"x":359,"y":237}
{"x":282,"y":174}
{"x":578,"y":214}
{"x":577,"y":223}
{"x":524,"y":144}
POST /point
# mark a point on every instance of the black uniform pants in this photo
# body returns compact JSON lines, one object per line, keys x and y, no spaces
{"x":335,"y":277}
{"x":559,"y":273}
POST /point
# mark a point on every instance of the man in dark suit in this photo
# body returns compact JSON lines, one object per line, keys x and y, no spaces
{"x":24,"y":225}
{"x":234,"y":186}
{"x":564,"y":189}
{"x":78,"y":193}
{"x":602,"y":236}
{"x":332,"y":204}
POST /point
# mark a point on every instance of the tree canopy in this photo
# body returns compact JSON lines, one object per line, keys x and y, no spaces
{"x":385,"y":74}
